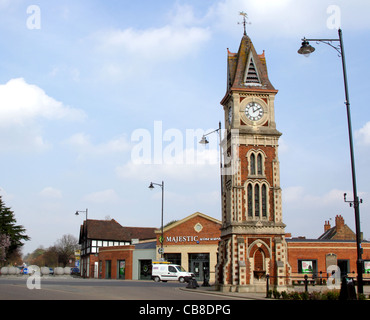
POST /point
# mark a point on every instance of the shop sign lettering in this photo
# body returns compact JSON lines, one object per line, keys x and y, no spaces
{"x":197,"y":239}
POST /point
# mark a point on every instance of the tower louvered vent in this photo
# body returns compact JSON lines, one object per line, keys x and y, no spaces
{"x":252,"y":75}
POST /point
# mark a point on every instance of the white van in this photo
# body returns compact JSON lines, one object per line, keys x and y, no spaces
{"x":166,"y":272}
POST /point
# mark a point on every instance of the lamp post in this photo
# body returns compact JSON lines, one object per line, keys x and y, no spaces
{"x":78,"y":213}
{"x":85,"y":244}
{"x":306,"y":49}
{"x":151,"y":187}
{"x":204,"y":141}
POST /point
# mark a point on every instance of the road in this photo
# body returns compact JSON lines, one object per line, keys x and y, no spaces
{"x":97,"y":289}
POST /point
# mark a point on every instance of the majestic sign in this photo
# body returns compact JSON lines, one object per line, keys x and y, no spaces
{"x":197,"y":239}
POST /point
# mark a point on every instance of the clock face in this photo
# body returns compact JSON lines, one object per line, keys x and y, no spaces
{"x":254,"y":111}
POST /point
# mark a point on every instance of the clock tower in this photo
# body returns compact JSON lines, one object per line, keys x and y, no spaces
{"x":252,"y":244}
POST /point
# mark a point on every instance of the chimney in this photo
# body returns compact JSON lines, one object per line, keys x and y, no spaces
{"x":339,"y":222}
{"x":327,"y":226}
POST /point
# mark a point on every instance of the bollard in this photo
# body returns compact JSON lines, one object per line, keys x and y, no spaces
{"x":267,"y":285}
{"x":306,"y":283}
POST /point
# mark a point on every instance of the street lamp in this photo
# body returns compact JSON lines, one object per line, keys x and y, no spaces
{"x":78,"y":213}
{"x":151,"y":187}
{"x":306,"y":50}
{"x":83,"y":269}
{"x":205,"y":141}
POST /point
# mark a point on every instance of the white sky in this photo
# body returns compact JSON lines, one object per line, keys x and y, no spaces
{"x":82,"y":83}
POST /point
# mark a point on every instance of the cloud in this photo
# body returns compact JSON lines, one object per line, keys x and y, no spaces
{"x":52,"y":193}
{"x":100,"y":197}
{"x":363,"y":135}
{"x":307,"y":17}
{"x":155,"y":44}
{"x":130,"y":53}
{"x":187,"y":166}
{"x":298,"y":196}
{"x":21,"y":103}
{"x":22,"y":107}
{"x":82,"y":143}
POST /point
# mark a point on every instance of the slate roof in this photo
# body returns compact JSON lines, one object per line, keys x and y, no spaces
{"x":237,"y":67}
{"x":333,"y":234}
{"x":112,"y":230}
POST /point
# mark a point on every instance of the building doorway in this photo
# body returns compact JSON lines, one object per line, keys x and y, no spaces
{"x":344,"y":267}
{"x":199,"y":265}
{"x":108,"y":264}
{"x":145,"y":269}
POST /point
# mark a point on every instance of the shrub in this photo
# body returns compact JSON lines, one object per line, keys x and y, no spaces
{"x":285,"y":295}
{"x":269,"y":294}
{"x":276,"y":294}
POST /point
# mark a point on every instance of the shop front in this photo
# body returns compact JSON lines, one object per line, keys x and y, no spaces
{"x":116,"y":262}
{"x":192,"y":243}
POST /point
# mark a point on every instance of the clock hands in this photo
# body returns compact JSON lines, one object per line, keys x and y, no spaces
{"x":254,"y":111}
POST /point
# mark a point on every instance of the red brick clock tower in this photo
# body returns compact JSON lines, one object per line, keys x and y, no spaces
{"x":252,"y":242}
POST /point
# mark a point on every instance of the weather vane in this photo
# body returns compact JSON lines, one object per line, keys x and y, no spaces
{"x":245,"y":17}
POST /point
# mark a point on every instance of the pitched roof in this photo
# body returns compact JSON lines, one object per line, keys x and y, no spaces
{"x":112,"y":230}
{"x":196,"y":214}
{"x":339,"y":232}
{"x":335,"y":234}
{"x":247,"y":69}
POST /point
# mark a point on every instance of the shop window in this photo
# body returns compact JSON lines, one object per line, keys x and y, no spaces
{"x":121,"y":269}
{"x":307,"y":266}
{"x":174,"y":258}
{"x":367,"y":266}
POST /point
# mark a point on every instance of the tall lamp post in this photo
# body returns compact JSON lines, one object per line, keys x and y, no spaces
{"x":205,"y":141}
{"x":306,"y":50}
{"x":85,"y":244}
{"x":151,"y":187}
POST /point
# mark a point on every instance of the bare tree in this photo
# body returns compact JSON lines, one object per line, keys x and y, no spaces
{"x":66,"y":247}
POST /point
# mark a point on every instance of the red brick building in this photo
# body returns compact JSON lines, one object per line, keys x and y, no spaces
{"x":335,"y":247}
{"x":96,"y":235}
{"x":192,"y":243}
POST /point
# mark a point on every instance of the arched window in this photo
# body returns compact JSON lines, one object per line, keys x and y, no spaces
{"x":250,"y":200}
{"x":253,"y":164}
{"x":264,"y":201}
{"x":259,"y":164}
{"x":256,"y":163}
{"x":257,"y":200}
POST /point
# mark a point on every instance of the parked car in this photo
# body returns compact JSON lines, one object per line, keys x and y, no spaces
{"x":75,"y":271}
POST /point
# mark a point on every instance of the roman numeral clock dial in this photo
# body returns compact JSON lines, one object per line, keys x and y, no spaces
{"x":254,"y":111}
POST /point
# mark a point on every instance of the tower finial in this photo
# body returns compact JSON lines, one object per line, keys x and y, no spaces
{"x":245,"y":17}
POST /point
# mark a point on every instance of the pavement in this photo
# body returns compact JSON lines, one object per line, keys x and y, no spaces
{"x":262,"y":295}
{"x":237,"y":295}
